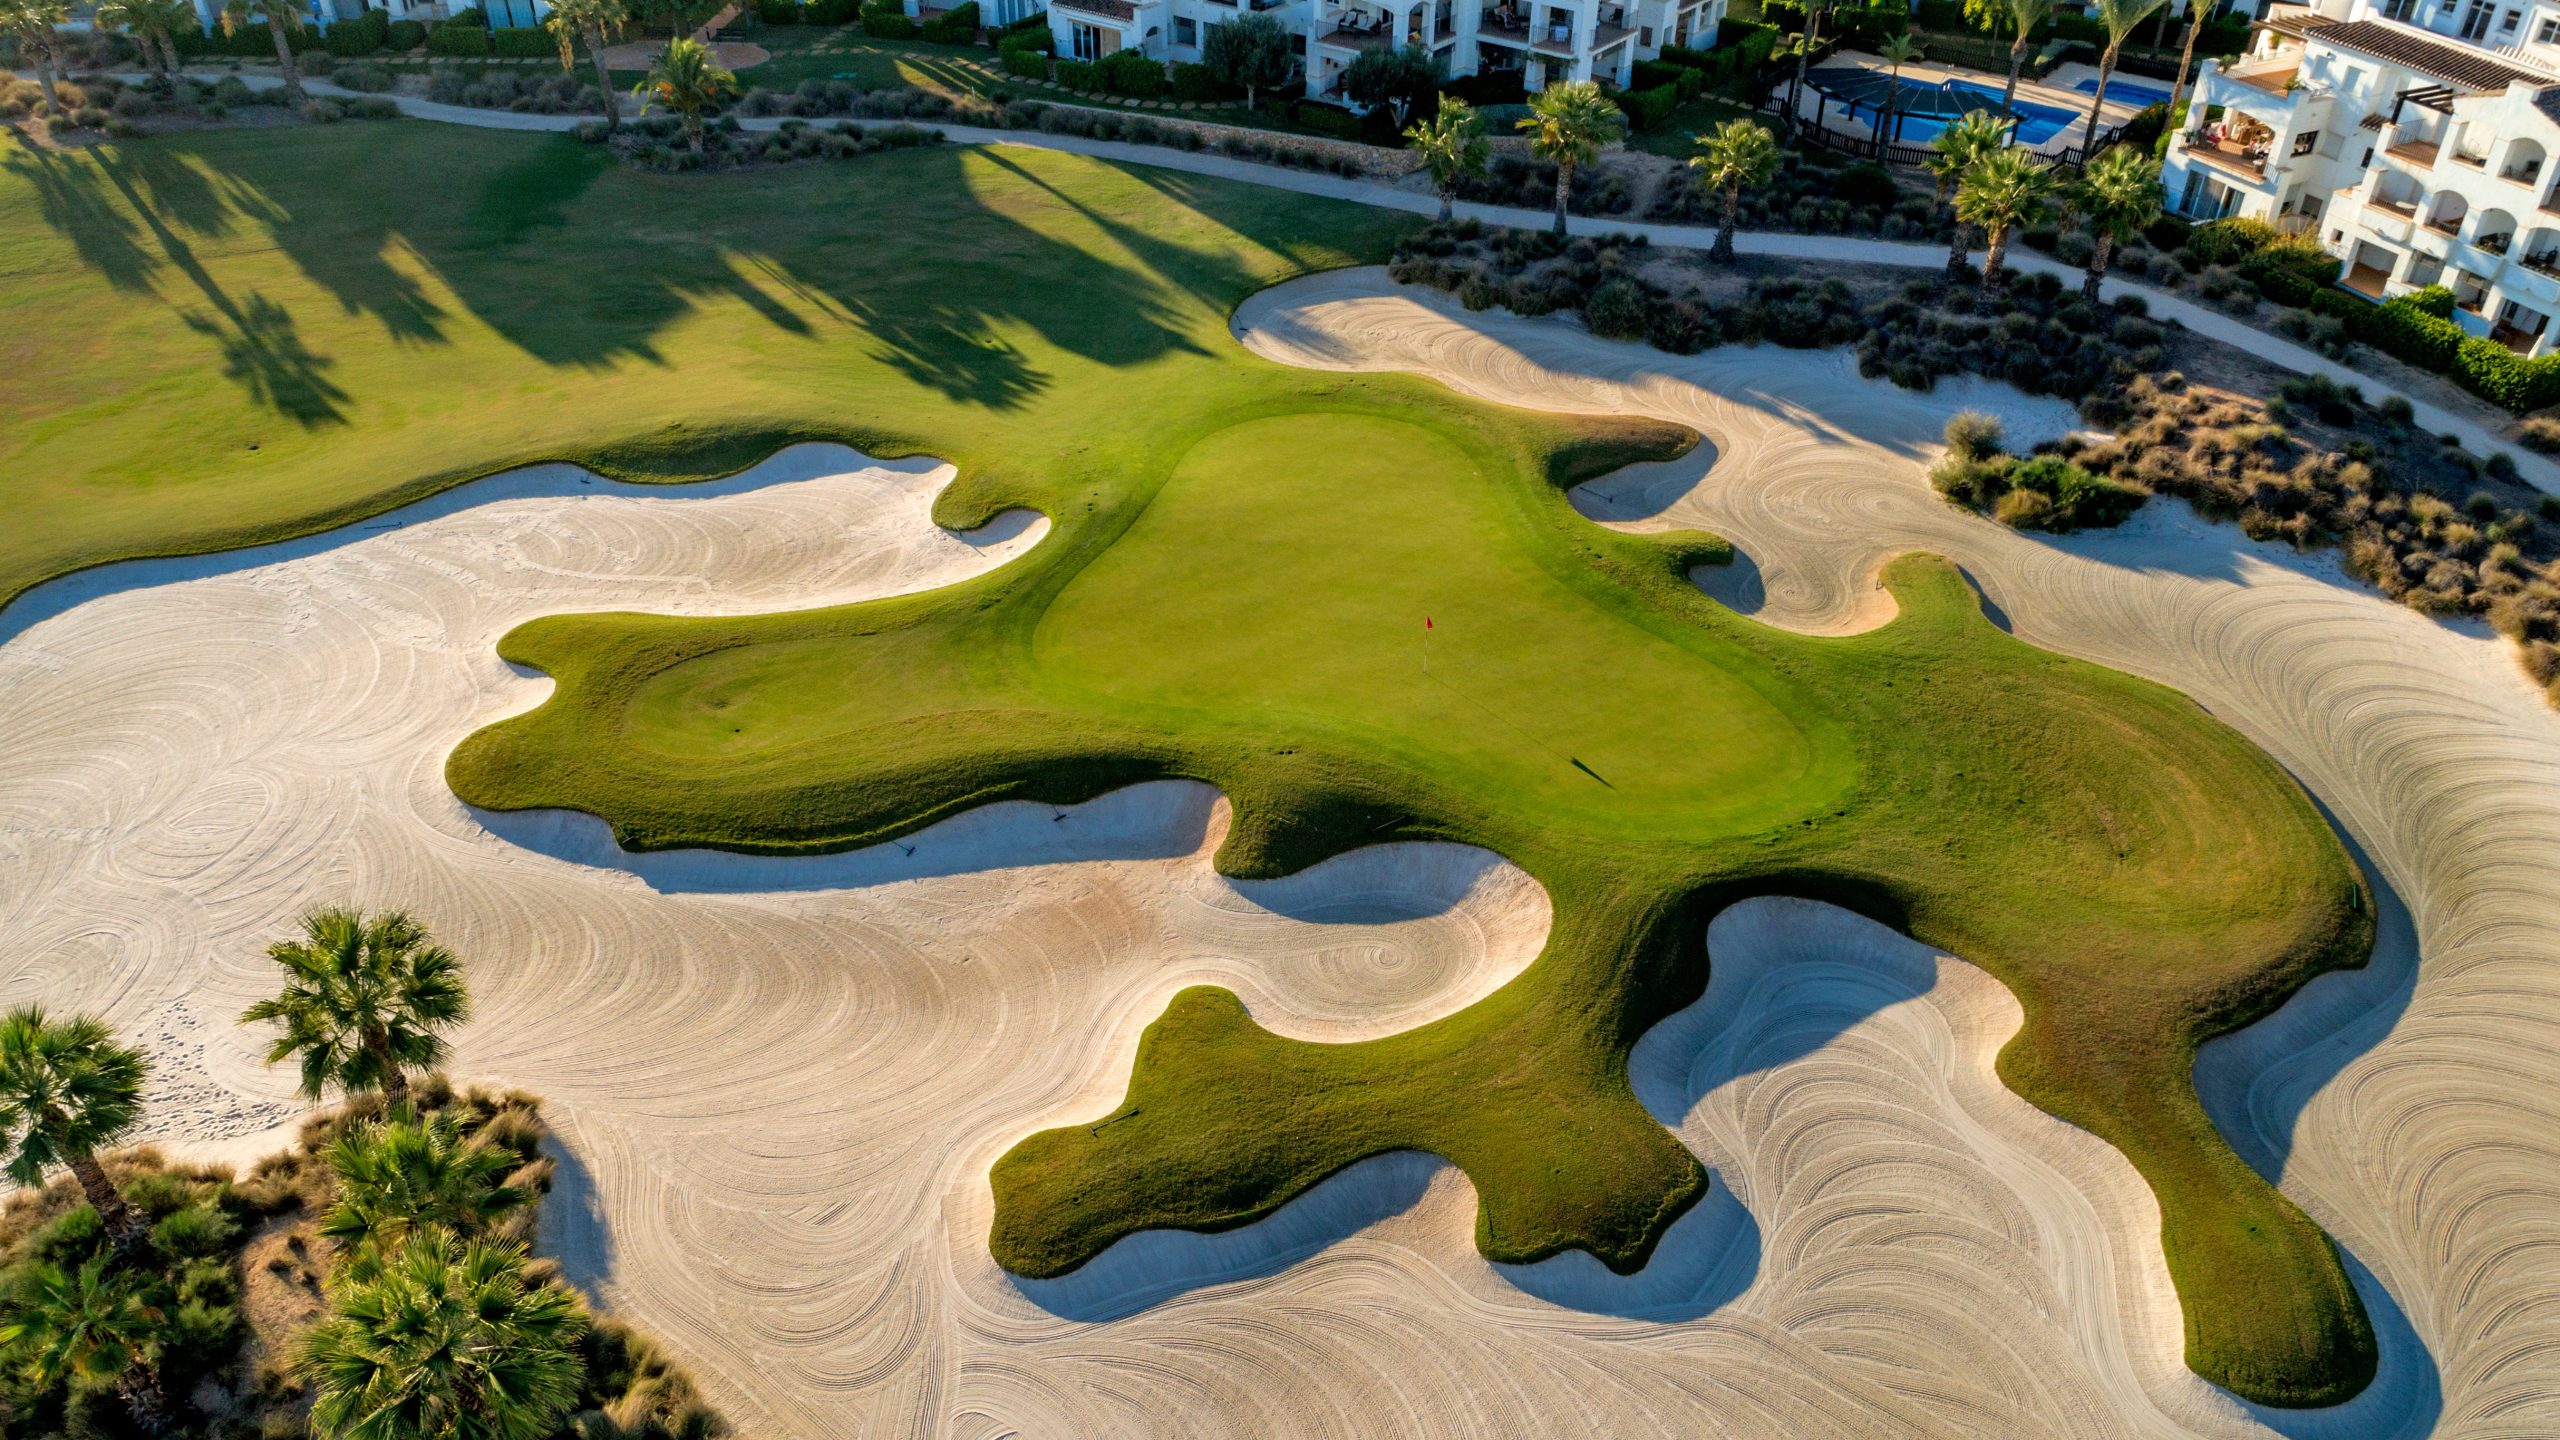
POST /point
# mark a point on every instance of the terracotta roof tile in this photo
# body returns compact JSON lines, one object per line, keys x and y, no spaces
{"x":2461,"y":65}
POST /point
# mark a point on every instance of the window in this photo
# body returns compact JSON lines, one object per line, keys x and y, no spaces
{"x":2547,"y":33}
{"x":1186,"y":31}
{"x":2303,"y":142}
{"x":2508,"y":22}
{"x":1084,"y":42}
{"x":2475,"y":21}
{"x":2352,"y":83}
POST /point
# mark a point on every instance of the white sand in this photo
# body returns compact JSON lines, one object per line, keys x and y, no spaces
{"x":781,"y":1081}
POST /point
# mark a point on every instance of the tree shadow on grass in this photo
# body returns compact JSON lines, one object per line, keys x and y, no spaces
{"x":263,"y":353}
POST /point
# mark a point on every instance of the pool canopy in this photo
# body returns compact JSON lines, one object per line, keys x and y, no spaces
{"x":1862,"y":89}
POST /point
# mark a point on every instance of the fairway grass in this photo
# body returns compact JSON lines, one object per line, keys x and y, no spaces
{"x":235,"y":337}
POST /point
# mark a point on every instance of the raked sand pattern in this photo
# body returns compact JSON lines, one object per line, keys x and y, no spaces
{"x":782,"y":1080}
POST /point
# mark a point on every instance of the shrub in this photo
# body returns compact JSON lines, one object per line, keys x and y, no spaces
{"x":1024,"y":61}
{"x":198,"y":1230}
{"x":1079,"y":75}
{"x":886,"y":20}
{"x":459,"y":40}
{"x":530,"y":42}
{"x":2541,"y":433}
{"x":373,"y":107}
{"x":403,"y":36}
{"x":363,"y":77}
{"x":955,"y":26}
{"x":1616,"y":310}
{"x":778,"y":12}
{"x":2023,"y":509}
{"x":1973,"y":435}
{"x":2432,"y":300}
{"x":829,"y":12}
{"x":2227,"y":242}
{"x":1131,"y":73}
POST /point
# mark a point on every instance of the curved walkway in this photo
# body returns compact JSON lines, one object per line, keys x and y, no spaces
{"x":2541,"y":472}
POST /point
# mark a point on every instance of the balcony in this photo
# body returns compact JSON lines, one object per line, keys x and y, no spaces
{"x":2248,"y":160}
{"x":2366,"y":280}
{"x":2419,"y":152}
{"x":2275,"y":76}
{"x":1350,"y":37}
{"x":2545,"y":263}
{"x":2405,"y":209}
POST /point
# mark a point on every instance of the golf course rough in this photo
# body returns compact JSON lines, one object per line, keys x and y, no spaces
{"x":1249,"y":612}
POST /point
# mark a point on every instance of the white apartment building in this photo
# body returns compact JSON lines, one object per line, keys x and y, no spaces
{"x":2414,"y":137}
{"x":1547,"y":41}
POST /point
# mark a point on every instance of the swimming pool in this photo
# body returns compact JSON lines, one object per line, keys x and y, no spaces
{"x":2123,"y":91}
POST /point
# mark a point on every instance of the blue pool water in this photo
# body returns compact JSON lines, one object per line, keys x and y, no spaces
{"x":2124,"y":91}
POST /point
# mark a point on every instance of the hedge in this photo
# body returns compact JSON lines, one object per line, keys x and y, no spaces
{"x":1041,"y":40}
{"x":886,"y":20}
{"x":2503,"y":377}
{"x":361,"y":36}
{"x":404,"y":36}
{"x":1079,"y":75}
{"x":955,"y":26}
{"x":778,"y":12}
{"x":526,"y":42}
{"x":828,"y":12}
{"x":1649,"y":109}
{"x":1197,"y":84}
{"x":459,"y":39}
{"x":1024,"y":61}
{"x":1329,"y":120}
{"x":2402,"y":327}
{"x":1131,"y":73}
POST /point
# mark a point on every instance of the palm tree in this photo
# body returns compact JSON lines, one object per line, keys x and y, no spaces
{"x":1898,"y":51}
{"x":406,"y":1173}
{"x":2117,"y":194}
{"x":67,"y":1089}
{"x":2021,"y":17}
{"x":33,"y":23}
{"x":1952,"y":152}
{"x":88,"y":1327}
{"x":2119,"y":17}
{"x":363,"y":999}
{"x":1568,"y":124}
{"x":445,"y":1341}
{"x":685,"y":79}
{"x":152,"y":24}
{"x":1804,"y":55}
{"x":571,"y":21}
{"x":2000,"y":193}
{"x":1739,"y":153}
{"x":2197,"y":10}
{"x":1452,"y":147}
{"x":283,"y":18}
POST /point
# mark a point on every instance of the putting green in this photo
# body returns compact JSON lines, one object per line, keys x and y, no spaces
{"x":1250,"y":613}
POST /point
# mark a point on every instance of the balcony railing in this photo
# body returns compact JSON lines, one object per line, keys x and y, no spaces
{"x":2405,"y":209}
{"x":2444,"y":226}
{"x":2546,"y":262}
{"x":2421,"y":153}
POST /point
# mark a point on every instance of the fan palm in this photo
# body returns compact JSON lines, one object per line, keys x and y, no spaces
{"x":445,"y":1341}
{"x":363,"y":999}
{"x":2116,"y":196}
{"x":2197,"y":10}
{"x":153,"y":26}
{"x":573,"y":21}
{"x":1952,"y":152}
{"x":87,"y":1327}
{"x":2018,"y":17}
{"x":283,"y":18}
{"x":2119,"y":17}
{"x":686,"y":79}
{"x":405,"y":1173}
{"x":1452,"y":147}
{"x":1567,"y":124}
{"x":1896,"y":52}
{"x":67,"y":1090}
{"x":31,"y":23}
{"x":2000,"y":193}
{"x":1738,"y":153}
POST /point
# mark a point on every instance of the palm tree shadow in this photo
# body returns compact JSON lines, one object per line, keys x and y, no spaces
{"x":263,"y":353}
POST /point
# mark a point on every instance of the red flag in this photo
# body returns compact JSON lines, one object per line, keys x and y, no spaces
{"x":1426,"y":622}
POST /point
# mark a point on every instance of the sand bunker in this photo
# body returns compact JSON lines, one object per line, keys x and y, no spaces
{"x":781,"y":1081}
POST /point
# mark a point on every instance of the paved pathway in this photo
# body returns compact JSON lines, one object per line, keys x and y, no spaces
{"x":2541,"y":472}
